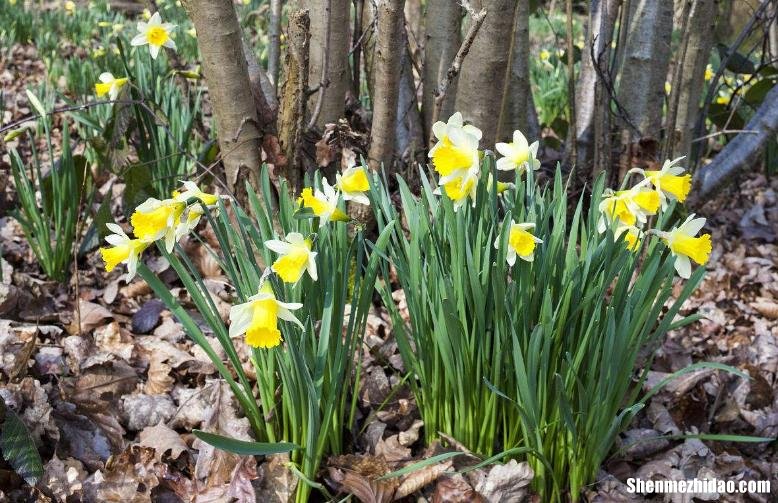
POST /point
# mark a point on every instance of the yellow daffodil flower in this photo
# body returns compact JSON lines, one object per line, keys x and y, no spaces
{"x":191,"y":191}
{"x":685,"y":246}
{"x":353,"y":184}
{"x":109,"y":85}
{"x":70,"y":7}
{"x":709,"y":73}
{"x":156,"y":34}
{"x":123,"y":250}
{"x":632,"y":237}
{"x":544,"y":55}
{"x":628,"y":206}
{"x":501,"y":186}
{"x":117,"y":28}
{"x":323,"y":203}
{"x":518,"y":155}
{"x":521,"y":243}
{"x":146,"y":14}
{"x":457,"y":146}
{"x":668,"y":88}
{"x":103,"y":24}
{"x":295,"y":257}
{"x":155,"y":219}
{"x":669,"y":181}
{"x":98,"y":53}
{"x":459,"y":188}
{"x":258,"y":318}
{"x":193,"y":212}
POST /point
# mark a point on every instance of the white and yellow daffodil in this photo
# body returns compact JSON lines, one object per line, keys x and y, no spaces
{"x":258,"y":318}
{"x":155,"y":219}
{"x":458,"y":187}
{"x":354,"y":184}
{"x":632,"y":236}
{"x":190,"y":190}
{"x":109,"y":85}
{"x":501,"y":186}
{"x":323,"y":203}
{"x":156,"y":34}
{"x":193,"y":212}
{"x":709,"y":73}
{"x":669,"y":181}
{"x":457,"y":148}
{"x":628,"y":207}
{"x":123,"y":249}
{"x":518,"y":155}
{"x":521,"y":243}
{"x":295,"y":257}
{"x":686,"y":247}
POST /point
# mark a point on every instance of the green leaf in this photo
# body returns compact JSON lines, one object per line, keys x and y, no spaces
{"x":19,"y":448}
{"x":421,"y":464}
{"x":138,"y":186}
{"x":36,"y":103}
{"x":244,"y":447}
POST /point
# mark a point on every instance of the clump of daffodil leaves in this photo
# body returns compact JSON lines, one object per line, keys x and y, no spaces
{"x":525,"y":322}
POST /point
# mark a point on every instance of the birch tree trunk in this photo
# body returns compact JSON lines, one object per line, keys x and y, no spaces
{"x":591,"y":100}
{"x":482,"y":80}
{"x":219,"y":38}
{"x":332,"y":38}
{"x":388,"y":57}
{"x":517,"y":97}
{"x":702,"y":26}
{"x":742,"y":152}
{"x":443,"y":36}
{"x":646,"y":61}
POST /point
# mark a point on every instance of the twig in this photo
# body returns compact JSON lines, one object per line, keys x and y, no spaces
{"x":607,"y":83}
{"x":324,"y":82}
{"x":456,"y":64}
{"x":689,"y":10}
{"x":723,"y":132}
{"x":571,"y":81}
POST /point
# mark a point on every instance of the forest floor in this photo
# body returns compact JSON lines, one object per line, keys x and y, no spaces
{"x":112,"y":390}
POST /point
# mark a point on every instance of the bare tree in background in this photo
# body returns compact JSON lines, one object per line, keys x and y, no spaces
{"x":224,"y":65}
{"x":517,"y":95}
{"x":443,"y":37}
{"x":329,"y":52}
{"x":482,"y":79}
{"x":644,"y":69}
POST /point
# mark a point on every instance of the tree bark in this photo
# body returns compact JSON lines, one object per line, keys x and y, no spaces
{"x":482,"y":80}
{"x":702,"y":24}
{"x":274,"y":50}
{"x":591,"y":96}
{"x":225,"y":69}
{"x":410,"y":143}
{"x":517,"y":97}
{"x":443,"y":37}
{"x":292,"y":116}
{"x":741,"y":152}
{"x":389,"y":52}
{"x":644,"y":72}
{"x":334,"y":39}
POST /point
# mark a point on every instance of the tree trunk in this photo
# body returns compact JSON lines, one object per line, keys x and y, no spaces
{"x":591,"y":95}
{"x":330,"y":49}
{"x":410,"y":144}
{"x":644,"y":72}
{"x":274,"y":49}
{"x":389,"y":52}
{"x":443,"y":36}
{"x":742,"y":152}
{"x":292,"y":116}
{"x":702,"y":24}
{"x":220,"y":41}
{"x":517,"y":98}
{"x":482,"y":80}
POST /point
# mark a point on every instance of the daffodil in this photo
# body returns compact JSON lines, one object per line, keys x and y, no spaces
{"x":155,"y":219}
{"x":521,"y":243}
{"x":518,"y":155}
{"x":628,"y":206}
{"x":544,"y":55}
{"x":192,"y":32}
{"x":295,"y":257}
{"x":146,"y":14}
{"x":109,"y":85}
{"x":258,"y":318}
{"x":501,"y":186}
{"x":709,"y":73}
{"x":70,"y":7}
{"x":459,"y":187}
{"x":191,"y":191}
{"x":323,"y":203}
{"x":353,"y":184}
{"x":123,"y":249}
{"x":632,"y":236}
{"x":686,"y":247}
{"x":155,"y":33}
{"x":668,"y":88}
{"x":669,"y":181}
{"x":457,"y":148}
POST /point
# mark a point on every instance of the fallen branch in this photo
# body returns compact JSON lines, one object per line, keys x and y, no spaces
{"x":743,"y":151}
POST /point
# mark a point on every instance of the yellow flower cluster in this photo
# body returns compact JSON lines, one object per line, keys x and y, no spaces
{"x":628,"y":210}
{"x":169,"y":219}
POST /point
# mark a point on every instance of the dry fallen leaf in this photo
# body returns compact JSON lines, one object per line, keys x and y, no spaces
{"x":162,"y":439}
